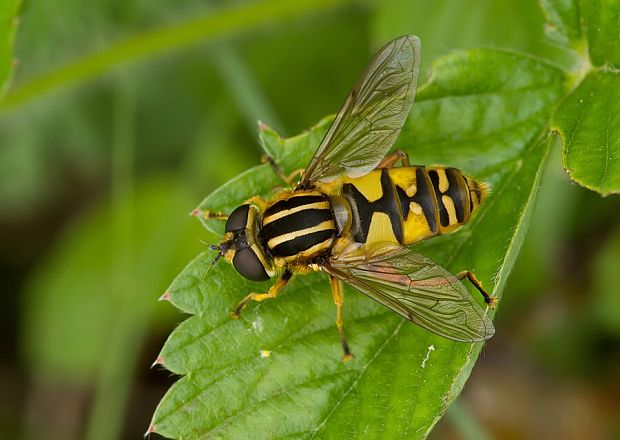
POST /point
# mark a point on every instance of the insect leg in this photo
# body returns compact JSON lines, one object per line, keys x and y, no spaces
{"x":490,"y":300}
{"x":258,"y":201}
{"x":392,"y":159}
{"x":290,"y":179}
{"x":216,"y":215}
{"x":271,"y":293}
{"x":209,"y":215}
{"x":338,"y":296}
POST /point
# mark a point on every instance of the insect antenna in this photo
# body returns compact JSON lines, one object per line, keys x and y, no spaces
{"x":221,"y":248}
{"x":215,"y":247}
{"x":217,"y":257}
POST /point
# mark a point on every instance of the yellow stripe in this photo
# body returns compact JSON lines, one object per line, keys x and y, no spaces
{"x":314,"y":250}
{"x":449,"y":204}
{"x":380,"y":229}
{"x":443,"y":180}
{"x":415,"y":208}
{"x":261,"y":257}
{"x":328,"y":224}
{"x":279,"y":215}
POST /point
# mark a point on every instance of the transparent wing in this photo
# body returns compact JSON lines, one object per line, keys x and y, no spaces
{"x":372,"y":116}
{"x":415,"y":287}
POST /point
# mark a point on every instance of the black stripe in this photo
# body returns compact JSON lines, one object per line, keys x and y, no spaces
{"x":424,"y":197}
{"x":364,"y":209}
{"x":456,"y":191}
{"x":302,"y":243}
{"x":291,"y":203}
{"x":469,"y":189}
{"x":443,"y":213}
{"x":295,"y":222}
{"x":391,"y":205}
{"x":362,"y":213}
{"x":404,"y":201}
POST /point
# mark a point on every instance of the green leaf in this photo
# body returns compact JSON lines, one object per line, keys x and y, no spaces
{"x":8,"y":27}
{"x":563,"y":21}
{"x":587,"y":120}
{"x":601,"y":19}
{"x":588,"y":26}
{"x":589,"y":123}
{"x":277,"y":371}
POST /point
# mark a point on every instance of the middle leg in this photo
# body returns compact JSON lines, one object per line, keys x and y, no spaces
{"x":338,"y":296}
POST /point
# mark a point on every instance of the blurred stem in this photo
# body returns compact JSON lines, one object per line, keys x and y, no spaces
{"x":243,"y":88}
{"x":116,"y":367}
{"x":464,"y":422}
{"x":154,"y":42}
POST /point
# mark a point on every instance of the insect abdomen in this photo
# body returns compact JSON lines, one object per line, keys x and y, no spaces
{"x":409,"y":204}
{"x":299,"y":226}
{"x":435,"y":200}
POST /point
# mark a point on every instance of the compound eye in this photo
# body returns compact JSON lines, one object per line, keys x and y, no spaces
{"x":247,"y":264}
{"x":238,"y":218}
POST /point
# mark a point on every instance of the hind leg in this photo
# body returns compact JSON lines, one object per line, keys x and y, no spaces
{"x":392,"y":159}
{"x":290,"y":179}
{"x":490,"y":300}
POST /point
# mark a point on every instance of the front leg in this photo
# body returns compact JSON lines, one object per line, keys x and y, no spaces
{"x":271,"y":293}
{"x":209,"y":215}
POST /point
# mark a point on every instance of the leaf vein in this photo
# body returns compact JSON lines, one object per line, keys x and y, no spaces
{"x":356,"y":381}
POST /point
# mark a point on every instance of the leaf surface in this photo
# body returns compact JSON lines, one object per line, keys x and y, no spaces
{"x":589,"y":123}
{"x":563,"y":21}
{"x":587,"y":120}
{"x":277,"y":371}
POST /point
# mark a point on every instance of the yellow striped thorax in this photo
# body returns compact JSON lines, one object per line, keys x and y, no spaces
{"x":298,"y":226}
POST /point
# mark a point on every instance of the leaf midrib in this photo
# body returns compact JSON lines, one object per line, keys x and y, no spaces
{"x":359,"y":377}
{"x":282,"y":391}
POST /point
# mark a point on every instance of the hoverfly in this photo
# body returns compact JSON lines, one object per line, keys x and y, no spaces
{"x":353,"y":212}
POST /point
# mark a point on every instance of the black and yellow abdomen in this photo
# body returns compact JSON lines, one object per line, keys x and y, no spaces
{"x":299,"y":226}
{"x":408,"y":204}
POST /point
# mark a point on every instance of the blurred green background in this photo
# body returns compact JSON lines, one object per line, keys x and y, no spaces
{"x":123,"y":115}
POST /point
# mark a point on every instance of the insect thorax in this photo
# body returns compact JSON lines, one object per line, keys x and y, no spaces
{"x":298,"y":227}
